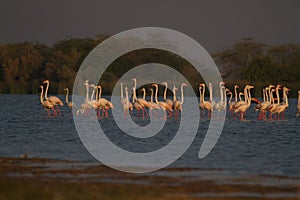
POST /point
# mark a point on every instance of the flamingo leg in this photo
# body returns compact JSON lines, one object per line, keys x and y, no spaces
{"x":260,"y":117}
{"x":270,"y":116}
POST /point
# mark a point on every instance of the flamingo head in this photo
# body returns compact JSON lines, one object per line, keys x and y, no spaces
{"x":202,"y":84}
{"x":278,"y":86}
{"x":287,"y":89}
{"x":66,"y":89}
{"x":155,"y":85}
{"x":164,"y":83}
{"x":227,"y":90}
{"x":222,"y":83}
{"x":236,"y":86}
{"x":93,"y":86}
{"x":86,"y":83}
{"x":46,"y":81}
{"x":183,"y":84}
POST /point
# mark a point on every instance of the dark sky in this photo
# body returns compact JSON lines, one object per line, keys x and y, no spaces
{"x":216,"y":24}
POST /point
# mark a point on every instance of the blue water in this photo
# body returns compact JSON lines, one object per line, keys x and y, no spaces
{"x":250,"y":147}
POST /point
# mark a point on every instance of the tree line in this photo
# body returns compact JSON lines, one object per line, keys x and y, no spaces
{"x":23,"y":66}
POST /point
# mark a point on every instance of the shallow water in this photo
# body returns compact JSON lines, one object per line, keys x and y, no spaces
{"x":249,"y":147}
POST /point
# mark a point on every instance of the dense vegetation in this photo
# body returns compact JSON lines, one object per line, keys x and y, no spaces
{"x":23,"y":66}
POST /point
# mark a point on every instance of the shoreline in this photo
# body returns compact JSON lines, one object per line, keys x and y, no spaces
{"x":99,"y":181}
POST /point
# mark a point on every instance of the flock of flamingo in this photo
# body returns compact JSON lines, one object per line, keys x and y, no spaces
{"x":171,"y":107}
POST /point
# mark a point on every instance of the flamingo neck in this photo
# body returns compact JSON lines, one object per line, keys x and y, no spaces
{"x":225,"y":98}
{"x":97,"y":93}
{"x":285,"y":98}
{"x":246,"y":94}
{"x":92,"y":96}
{"x":230,"y":98}
{"x":156,"y":92}
{"x":277,"y":95}
{"x":182,"y":96}
{"x":165,"y":92}
{"x":298,"y":97}
{"x":240,"y":96}
{"x":174,"y":94}
{"x":221,"y":95}
{"x":100,"y":93}
{"x":200,"y":95}
{"x":203,"y":92}
{"x":41,"y":96}
{"x":267,"y":95}
{"x":126,"y":94}
{"x":67,"y":96}
{"x":264,"y":95}
{"x":133,"y":95}
{"x":134,"y":83}
{"x":122,"y":96}
{"x":210,"y":93}
{"x":235,"y":93}
{"x":151,"y":98}
{"x":87,"y":92}
{"x":249,"y":97}
{"x":46,"y":91}
{"x":144,"y":94}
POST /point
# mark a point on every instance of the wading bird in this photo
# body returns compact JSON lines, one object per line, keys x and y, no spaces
{"x":53,"y":99}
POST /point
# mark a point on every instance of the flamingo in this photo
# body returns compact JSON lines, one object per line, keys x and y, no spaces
{"x":69,"y":103}
{"x":228,"y":92}
{"x":282,"y":107}
{"x":164,"y":106}
{"x":219,"y":106}
{"x":46,"y":104}
{"x":127,"y":105}
{"x":244,"y":106}
{"x":94,"y":102}
{"x":298,"y":106}
{"x":123,"y":100}
{"x":240,"y":102}
{"x":168,"y":101}
{"x":272,"y":107}
{"x":231,"y":105}
{"x":266,"y":102}
{"x":86,"y":105}
{"x":153,"y":105}
{"x":206,"y":104}
{"x":177,"y":105}
{"x":105,"y":104}
{"x":201,"y":105}
{"x":139,"y":107}
{"x":53,"y":99}
{"x":141,"y":101}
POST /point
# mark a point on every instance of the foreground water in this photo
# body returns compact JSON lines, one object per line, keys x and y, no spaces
{"x":249,"y":147}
